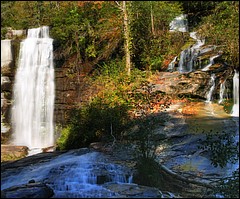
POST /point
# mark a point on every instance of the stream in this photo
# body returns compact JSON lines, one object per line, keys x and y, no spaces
{"x":190,"y":151}
{"x":84,"y":173}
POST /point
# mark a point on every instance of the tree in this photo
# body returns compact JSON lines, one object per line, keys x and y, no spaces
{"x":221,"y":28}
{"x":196,"y":10}
{"x":127,"y":38}
{"x":151,"y":40}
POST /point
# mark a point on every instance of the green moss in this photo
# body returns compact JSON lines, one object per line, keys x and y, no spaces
{"x":187,"y":167}
{"x":228,"y":104}
{"x":63,"y":137}
{"x":11,"y":157}
{"x":189,"y":43}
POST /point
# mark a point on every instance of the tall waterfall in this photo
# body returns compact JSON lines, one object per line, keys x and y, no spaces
{"x":235,"y":108}
{"x":32,"y":111}
{"x":212,"y":83}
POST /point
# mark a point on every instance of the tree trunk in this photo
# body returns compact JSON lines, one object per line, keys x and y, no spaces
{"x":152,"y":21}
{"x":127,"y":38}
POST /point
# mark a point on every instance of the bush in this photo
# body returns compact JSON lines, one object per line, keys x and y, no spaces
{"x":3,"y":33}
{"x":95,"y":122}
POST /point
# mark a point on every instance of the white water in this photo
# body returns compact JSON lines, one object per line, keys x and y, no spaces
{"x":212,"y":83}
{"x":206,"y":68}
{"x":207,"y":49}
{"x":188,"y":56}
{"x":73,"y":175}
{"x":179,"y":23}
{"x":221,"y":93}
{"x":171,"y":65}
{"x":32,"y":112}
{"x":235,"y":108}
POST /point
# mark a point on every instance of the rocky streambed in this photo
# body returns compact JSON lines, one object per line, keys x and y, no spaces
{"x":186,"y":165}
{"x":77,"y":173}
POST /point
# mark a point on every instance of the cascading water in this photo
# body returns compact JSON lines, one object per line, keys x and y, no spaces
{"x":74,"y":174}
{"x":172,"y":64}
{"x":188,"y":56}
{"x":32,"y":112}
{"x":206,"y":68}
{"x":179,"y":23}
{"x":222,"y":90}
{"x":183,"y":62}
{"x":212,"y":83}
{"x":235,"y":108}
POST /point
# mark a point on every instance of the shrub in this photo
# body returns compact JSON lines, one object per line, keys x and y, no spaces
{"x":95,"y":122}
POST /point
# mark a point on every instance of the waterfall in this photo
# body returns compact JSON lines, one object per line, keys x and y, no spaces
{"x":221,"y":93}
{"x":74,"y":174}
{"x":171,"y":65}
{"x":33,"y":106}
{"x":235,"y":108}
{"x":182,"y":64}
{"x":188,"y":56}
{"x":179,"y":23}
{"x":206,"y":68}
{"x":212,"y":83}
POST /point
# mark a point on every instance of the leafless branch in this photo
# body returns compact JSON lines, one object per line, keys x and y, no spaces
{"x":119,"y":6}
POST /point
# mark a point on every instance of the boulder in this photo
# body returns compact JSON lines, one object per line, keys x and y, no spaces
{"x":30,"y":190}
{"x":133,"y":191}
{"x":195,"y":84}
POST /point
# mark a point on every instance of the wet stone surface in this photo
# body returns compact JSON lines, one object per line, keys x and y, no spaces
{"x":75,"y":174}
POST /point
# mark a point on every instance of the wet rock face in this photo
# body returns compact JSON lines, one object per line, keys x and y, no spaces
{"x":194,"y":84}
{"x":71,"y":89}
{"x":30,"y":190}
{"x":103,"y":180}
{"x":7,"y":63}
{"x":189,"y":84}
{"x":134,"y":191}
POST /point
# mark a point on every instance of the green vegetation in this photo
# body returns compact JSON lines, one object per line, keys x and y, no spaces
{"x":223,"y":149}
{"x":89,"y":32}
{"x":221,"y":28}
{"x":112,"y":111}
{"x":97,"y":121}
{"x":228,"y":104}
{"x":89,"y":39}
{"x":229,"y":186}
{"x":12,"y":157}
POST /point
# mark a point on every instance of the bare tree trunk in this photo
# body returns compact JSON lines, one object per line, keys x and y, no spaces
{"x":127,"y":38}
{"x":152,"y":21}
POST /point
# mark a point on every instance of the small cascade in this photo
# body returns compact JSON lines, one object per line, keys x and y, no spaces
{"x":179,"y":23}
{"x":235,"y":108}
{"x":74,"y":175}
{"x":206,"y":68}
{"x":33,"y":107}
{"x":184,"y":60}
{"x":188,"y":57}
{"x":212,"y":83}
{"x":222,"y":90}
{"x":172,"y":64}
{"x":207,"y":49}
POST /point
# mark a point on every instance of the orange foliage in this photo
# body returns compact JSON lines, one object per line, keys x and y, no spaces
{"x":167,"y":61}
